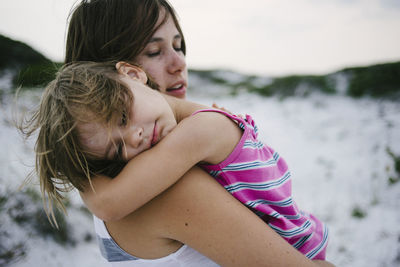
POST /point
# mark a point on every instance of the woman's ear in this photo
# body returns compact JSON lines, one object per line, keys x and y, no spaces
{"x":132,"y":71}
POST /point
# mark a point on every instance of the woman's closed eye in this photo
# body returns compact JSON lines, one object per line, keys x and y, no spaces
{"x":178,"y":49}
{"x":177,"y":43}
{"x":154,"y":54}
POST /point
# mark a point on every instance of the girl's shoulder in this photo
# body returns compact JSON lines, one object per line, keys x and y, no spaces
{"x":213,"y":129}
{"x":218,"y":111}
{"x":211,"y":122}
{"x":215,"y":117}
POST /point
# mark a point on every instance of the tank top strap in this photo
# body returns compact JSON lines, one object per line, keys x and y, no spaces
{"x":236,"y":118}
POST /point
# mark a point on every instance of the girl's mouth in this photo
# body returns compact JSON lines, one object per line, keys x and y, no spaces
{"x":155,"y":135}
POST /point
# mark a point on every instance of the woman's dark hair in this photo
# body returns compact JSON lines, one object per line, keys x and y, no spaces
{"x":106,"y":30}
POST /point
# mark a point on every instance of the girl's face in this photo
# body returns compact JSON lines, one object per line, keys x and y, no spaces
{"x":149,"y":119}
{"x":164,"y":61}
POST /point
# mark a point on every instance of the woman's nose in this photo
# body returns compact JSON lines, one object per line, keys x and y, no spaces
{"x":177,"y":62}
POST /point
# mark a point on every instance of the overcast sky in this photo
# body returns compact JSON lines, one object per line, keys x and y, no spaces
{"x":268,"y":37}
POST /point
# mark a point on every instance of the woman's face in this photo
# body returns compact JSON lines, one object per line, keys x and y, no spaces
{"x":164,"y":61}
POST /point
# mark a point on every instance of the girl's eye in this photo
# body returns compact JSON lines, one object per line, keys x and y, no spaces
{"x":123,"y":119}
{"x":119,"y":152}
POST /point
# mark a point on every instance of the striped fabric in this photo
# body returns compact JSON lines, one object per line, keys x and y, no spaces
{"x":257,"y":176}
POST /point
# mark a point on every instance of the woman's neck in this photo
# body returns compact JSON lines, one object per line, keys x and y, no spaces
{"x":182,"y":108}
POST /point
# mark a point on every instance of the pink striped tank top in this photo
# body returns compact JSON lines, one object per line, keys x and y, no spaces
{"x":258,"y":177}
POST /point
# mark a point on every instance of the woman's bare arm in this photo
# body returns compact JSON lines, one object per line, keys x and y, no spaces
{"x":204,"y":137}
{"x":198,"y":212}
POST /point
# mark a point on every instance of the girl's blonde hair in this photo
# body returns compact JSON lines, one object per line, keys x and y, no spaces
{"x":81,"y":92}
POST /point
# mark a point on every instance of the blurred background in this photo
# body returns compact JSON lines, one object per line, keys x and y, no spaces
{"x":259,"y":37}
{"x":320,"y":78}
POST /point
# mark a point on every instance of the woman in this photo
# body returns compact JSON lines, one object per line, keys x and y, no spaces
{"x":196,"y":211}
{"x":125,"y":30}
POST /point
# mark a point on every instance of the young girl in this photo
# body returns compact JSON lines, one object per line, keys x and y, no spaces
{"x":97,"y":116}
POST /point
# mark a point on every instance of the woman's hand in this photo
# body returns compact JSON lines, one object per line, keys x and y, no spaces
{"x":214,"y":105}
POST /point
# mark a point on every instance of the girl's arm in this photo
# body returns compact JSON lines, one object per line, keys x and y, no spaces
{"x":198,"y":212}
{"x":207,"y":136}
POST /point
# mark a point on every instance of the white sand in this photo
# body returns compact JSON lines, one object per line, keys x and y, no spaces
{"x":335,"y":147}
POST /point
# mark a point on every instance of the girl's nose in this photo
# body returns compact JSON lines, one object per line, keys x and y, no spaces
{"x":177,"y":62}
{"x":134,"y":137}
{"x":133,"y":140}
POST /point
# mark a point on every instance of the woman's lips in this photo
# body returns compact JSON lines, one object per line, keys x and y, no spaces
{"x":179,"y":89}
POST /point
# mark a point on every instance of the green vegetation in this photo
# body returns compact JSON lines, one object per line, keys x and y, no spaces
{"x":381,"y":80}
{"x":297,"y":85}
{"x":3,"y":200}
{"x":45,"y":229}
{"x":10,"y":255}
{"x":210,"y":76}
{"x":358,"y":213}
{"x":29,"y":67}
{"x":378,"y":81}
{"x":396,"y":159}
{"x":85,"y":211}
{"x":32,"y":69}
{"x":26,"y":210}
{"x":36,"y":75}
{"x":16,"y":55}
{"x":33,"y":194}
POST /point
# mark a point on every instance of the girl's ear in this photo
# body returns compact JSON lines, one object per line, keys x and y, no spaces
{"x":132,"y":71}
